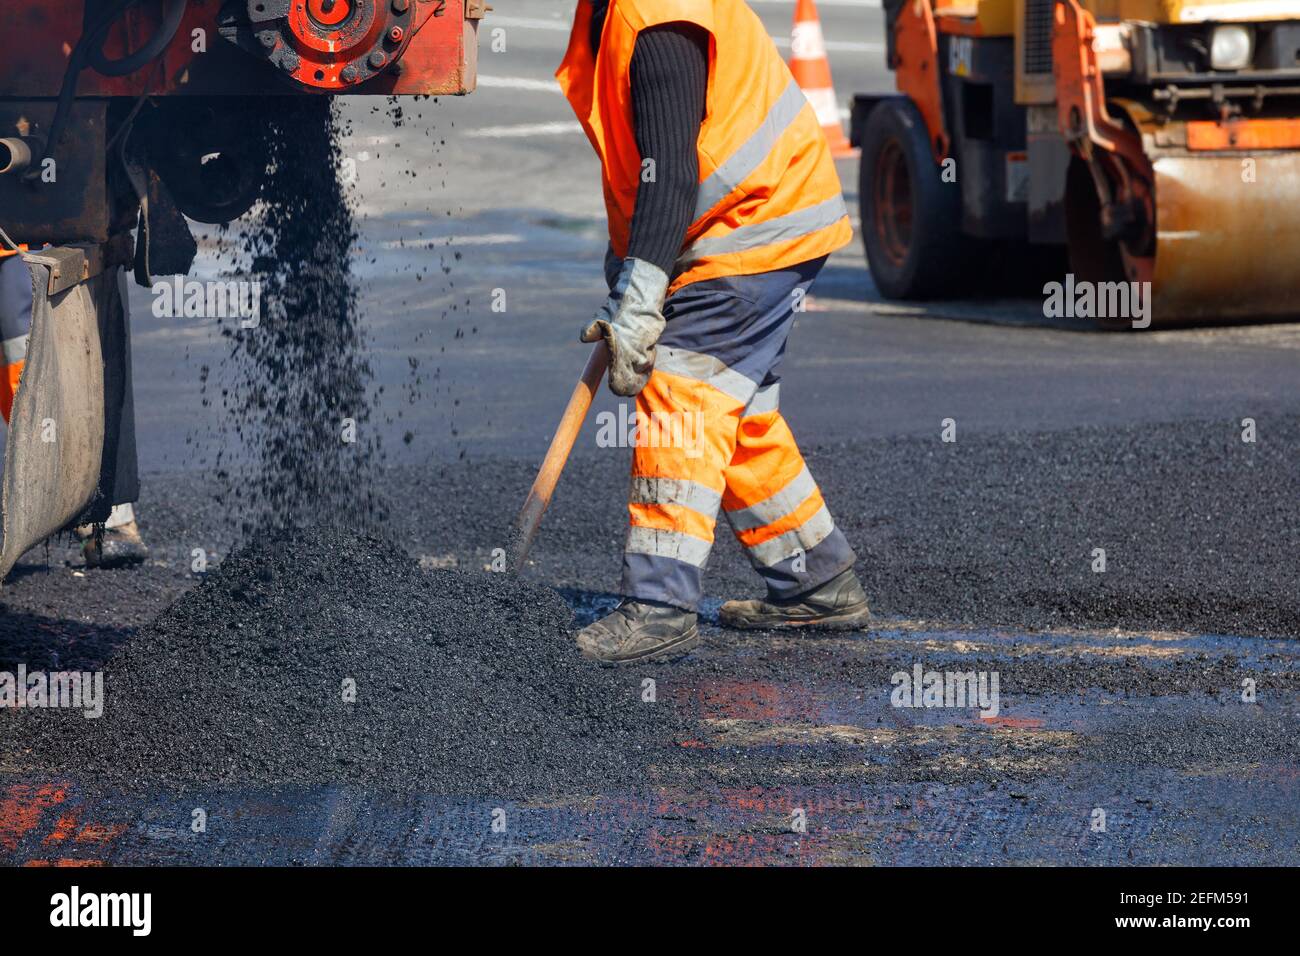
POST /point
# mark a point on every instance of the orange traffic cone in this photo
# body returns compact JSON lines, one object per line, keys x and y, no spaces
{"x":812,"y":71}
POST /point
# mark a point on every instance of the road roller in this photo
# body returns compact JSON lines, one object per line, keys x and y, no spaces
{"x":1100,"y":144}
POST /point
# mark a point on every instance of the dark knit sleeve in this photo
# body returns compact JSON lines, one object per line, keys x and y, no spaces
{"x":670,"y":72}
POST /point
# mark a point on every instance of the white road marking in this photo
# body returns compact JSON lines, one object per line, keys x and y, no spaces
{"x":559,"y":26}
{"x":529,"y":23}
{"x":518,"y":83}
{"x":483,"y":239}
{"x":838,"y":46}
{"x":526,"y":129}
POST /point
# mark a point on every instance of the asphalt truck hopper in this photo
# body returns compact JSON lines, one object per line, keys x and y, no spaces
{"x":63,"y":414}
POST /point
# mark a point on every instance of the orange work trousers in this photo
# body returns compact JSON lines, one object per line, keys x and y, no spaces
{"x":710,"y":437}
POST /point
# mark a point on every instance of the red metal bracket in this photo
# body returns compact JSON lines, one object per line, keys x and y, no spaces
{"x":916,"y":49}
{"x":438,"y":58}
{"x":1120,"y":168}
{"x":1080,"y":93}
{"x":1244,"y":134}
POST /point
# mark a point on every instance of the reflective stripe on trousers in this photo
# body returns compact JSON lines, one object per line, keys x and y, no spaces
{"x":711,"y":437}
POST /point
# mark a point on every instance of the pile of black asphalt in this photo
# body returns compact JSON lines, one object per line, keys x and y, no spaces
{"x":319,"y":657}
{"x":467,"y":682}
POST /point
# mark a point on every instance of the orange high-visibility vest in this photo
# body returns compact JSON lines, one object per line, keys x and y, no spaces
{"x":769,"y":195}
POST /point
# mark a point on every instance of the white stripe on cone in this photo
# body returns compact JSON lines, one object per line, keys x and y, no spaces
{"x":807,"y":42}
{"x":825,"y":106}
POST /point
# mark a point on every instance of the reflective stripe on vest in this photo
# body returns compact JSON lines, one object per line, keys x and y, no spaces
{"x":769,"y":196}
{"x":792,"y":225}
{"x":752,"y":152}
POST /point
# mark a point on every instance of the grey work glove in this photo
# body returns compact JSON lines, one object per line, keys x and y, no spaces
{"x":630,"y":323}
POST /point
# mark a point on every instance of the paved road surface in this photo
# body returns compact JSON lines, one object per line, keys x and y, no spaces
{"x":1117,"y":694}
{"x":502,"y":189}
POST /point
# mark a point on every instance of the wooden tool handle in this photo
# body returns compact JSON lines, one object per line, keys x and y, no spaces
{"x":566,"y":433}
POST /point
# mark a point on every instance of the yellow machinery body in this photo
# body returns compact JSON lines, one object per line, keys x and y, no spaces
{"x":1163,"y":137}
{"x":1216,"y":171}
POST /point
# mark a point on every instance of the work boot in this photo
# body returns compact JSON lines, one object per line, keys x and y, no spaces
{"x":638,"y":631}
{"x":838,"y":605}
{"x":118,"y":545}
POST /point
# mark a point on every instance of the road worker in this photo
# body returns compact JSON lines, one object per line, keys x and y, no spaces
{"x":723,"y":205}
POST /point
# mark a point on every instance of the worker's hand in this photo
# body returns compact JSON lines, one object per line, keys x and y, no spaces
{"x":630,"y":323}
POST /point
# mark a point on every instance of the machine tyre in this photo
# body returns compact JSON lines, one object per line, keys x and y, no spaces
{"x":1017,"y":268}
{"x":1092,"y":258}
{"x":911,"y":218}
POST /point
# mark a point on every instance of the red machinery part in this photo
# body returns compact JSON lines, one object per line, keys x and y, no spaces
{"x":326,"y":44}
{"x":1119,"y":166}
{"x":916,"y":46}
{"x":435,"y":54}
{"x":1216,"y":221}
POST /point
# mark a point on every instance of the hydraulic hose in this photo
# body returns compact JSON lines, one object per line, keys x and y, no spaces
{"x":89,"y":51}
{"x":123,"y":66}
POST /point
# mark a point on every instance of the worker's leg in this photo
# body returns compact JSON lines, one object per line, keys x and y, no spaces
{"x":685,"y":435}
{"x":15,"y":325}
{"x":685,"y":424}
{"x":781,"y":520}
{"x":776,"y":509}
{"x":723,"y":338}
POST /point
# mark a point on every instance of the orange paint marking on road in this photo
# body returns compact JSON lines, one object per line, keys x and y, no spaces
{"x":754,"y":799}
{"x":761,"y":849}
{"x":64,"y":862}
{"x":753,"y":700}
{"x":1022,"y":723}
{"x":670,"y":848}
{"x":100,"y":833}
{"x":730,"y":851}
{"x":21,"y":810}
{"x":63,"y":828}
